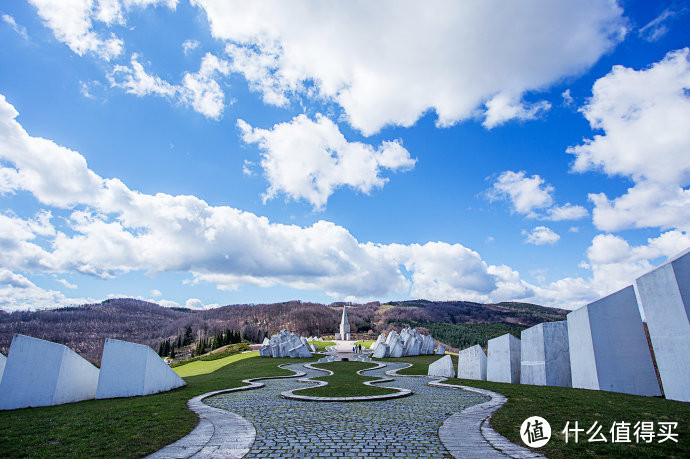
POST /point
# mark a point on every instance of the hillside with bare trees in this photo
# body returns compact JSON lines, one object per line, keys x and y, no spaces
{"x":85,"y":328}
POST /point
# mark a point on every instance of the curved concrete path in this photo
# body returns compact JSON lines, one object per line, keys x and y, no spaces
{"x":438,"y":420}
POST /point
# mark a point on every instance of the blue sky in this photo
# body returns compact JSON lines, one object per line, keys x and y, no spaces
{"x":207,"y":153}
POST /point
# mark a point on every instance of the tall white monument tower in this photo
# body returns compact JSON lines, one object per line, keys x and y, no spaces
{"x":344,"y":327}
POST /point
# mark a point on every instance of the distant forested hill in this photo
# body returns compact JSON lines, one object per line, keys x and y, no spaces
{"x":84,"y":328}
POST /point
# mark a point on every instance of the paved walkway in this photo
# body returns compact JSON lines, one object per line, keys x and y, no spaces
{"x":405,"y":427}
{"x":262,"y":424}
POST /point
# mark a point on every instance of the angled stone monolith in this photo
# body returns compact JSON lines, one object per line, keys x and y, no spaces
{"x":442,"y":367}
{"x":428,"y":345}
{"x":503,"y":361}
{"x":130,"y":369}
{"x":396,"y":348}
{"x":3,"y":360}
{"x":545,"y":355}
{"x":665,"y":297}
{"x":302,"y":352}
{"x":391,"y":336}
{"x":265,"y":351}
{"x":379,"y":340}
{"x":440,"y":350}
{"x":381,"y":351}
{"x":472,"y":363}
{"x":42,"y":373}
{"x":608,"y":347}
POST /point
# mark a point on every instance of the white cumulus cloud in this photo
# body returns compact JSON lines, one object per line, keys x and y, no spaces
{"x":75,"y":22}
{"x":309,"y":159}
{"x":643,"y":116}
{"x":388,"y":62}
{"x":503,"y":107}
{"x":199,"y":90}
{"x":72,"y":24}
{"x":541,"y":235}
{"x":114,"y":230}
{"x":189,"y":45}
{"x":18,"y":293}
{"x":533,"y":197}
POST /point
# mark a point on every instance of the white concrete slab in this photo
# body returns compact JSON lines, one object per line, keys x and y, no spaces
{"x":442,"y":367}
{"x":440,"y":350}
{"x":545,"y":355}
{"x":379,"y":340}
{"x":41,"y":373}
{"x":608,"y":347}
{"x":472,"y":363}
{"x":391,"y":336}
{"x":413,"y":346}
{"x":130,"y":369}
{"x":381,"y":351}
{"x":301,"y":351}
{"x":665,"y":297}
{"x":3,"y":360}
{"x":396,"y":348}
{"x":503,"y":361}
{"x":427,"y":341}
{"x":265,"y":351}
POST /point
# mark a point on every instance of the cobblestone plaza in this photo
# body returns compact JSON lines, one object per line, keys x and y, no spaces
{"x":404,"y":427}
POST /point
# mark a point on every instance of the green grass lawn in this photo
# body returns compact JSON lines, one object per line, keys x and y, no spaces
{"x":345,"y":382}
{"x":126,"y":427}
{"x":366,"y":343}
{"x":321,"y":345}
{"x":201,"y":367}
{"x":420,"y":363}
{"x":559,"y":405}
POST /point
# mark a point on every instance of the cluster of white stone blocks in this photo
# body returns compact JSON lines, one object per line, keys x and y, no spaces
{"x":43,"y":373}
{"x":472,"y":363}
{"x":503,"y":361}
{"x":608,"y":347}
{"x":285,"y":344}
{"x":665,"y":297}
{"x":442,"y":367}
{"x":408,"y":343}
{"x":545,"y":355}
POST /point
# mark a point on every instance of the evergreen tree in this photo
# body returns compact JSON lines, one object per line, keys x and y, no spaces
{"x":187,"y":336}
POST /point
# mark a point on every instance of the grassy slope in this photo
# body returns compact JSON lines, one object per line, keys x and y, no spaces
{"x":345,"y":382}
{"x":558,"y":405}
{"x":321,"y":345}
{"x":420,"y":363}
{"x":366,"y":343}
{"x":201,"y":367}
{"x":125,"y":427}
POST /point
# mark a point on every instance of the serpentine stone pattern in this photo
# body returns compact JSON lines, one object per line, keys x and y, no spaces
{"x":405,"y":427}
